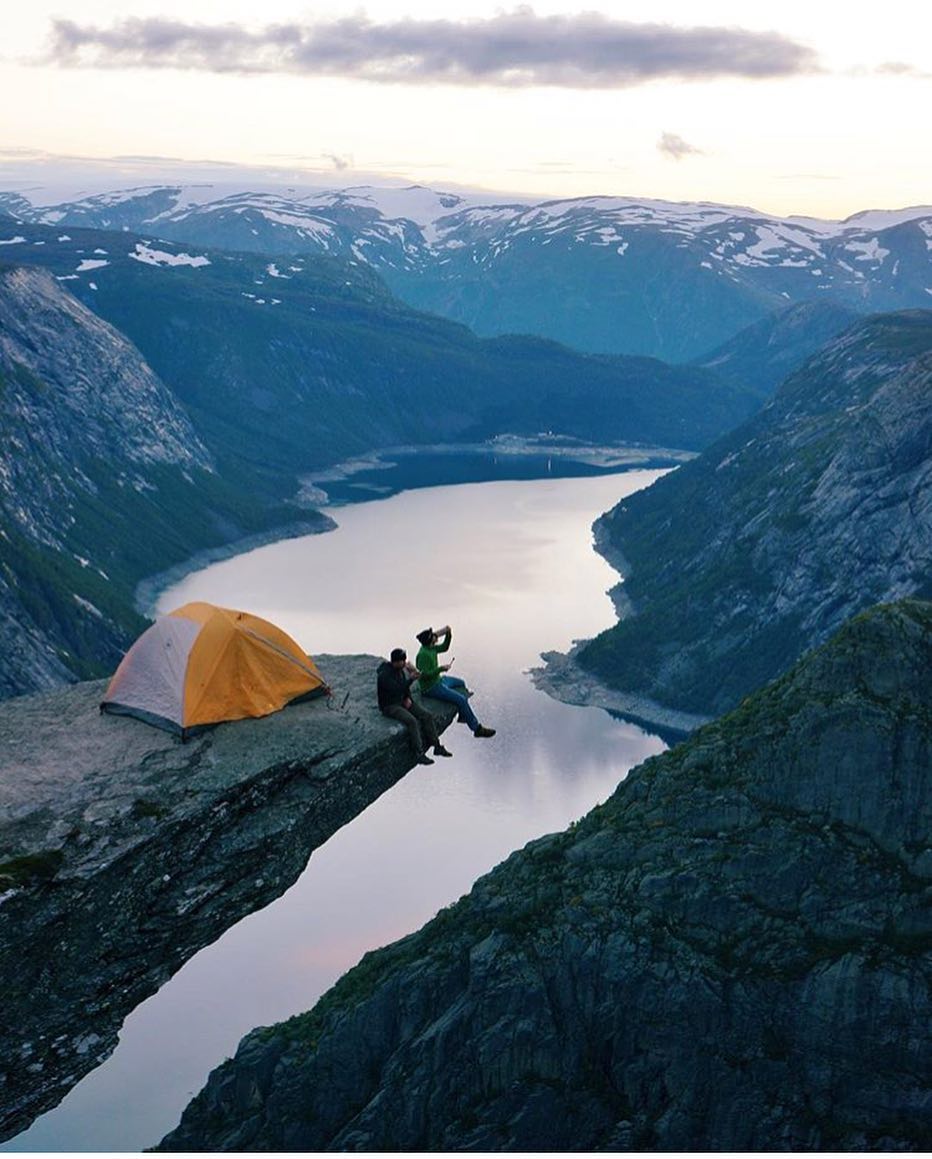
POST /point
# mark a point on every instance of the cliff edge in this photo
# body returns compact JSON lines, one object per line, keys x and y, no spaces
{"x":124,"y":851}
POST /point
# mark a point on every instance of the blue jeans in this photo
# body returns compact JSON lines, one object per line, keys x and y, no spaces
{"x":445,"y":689}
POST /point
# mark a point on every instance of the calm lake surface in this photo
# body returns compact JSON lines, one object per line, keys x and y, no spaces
{"x":510,"y":566}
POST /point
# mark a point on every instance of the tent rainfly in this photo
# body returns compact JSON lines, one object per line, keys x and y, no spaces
{"x":201,"y":665}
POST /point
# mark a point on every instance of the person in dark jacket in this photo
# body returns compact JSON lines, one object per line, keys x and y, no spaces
{"x":393,"y":685}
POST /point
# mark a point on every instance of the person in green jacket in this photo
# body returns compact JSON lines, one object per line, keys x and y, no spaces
{"x":433,"y":681}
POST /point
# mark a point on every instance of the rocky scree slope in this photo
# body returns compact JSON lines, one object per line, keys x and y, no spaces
{"x":124,"y":851}
{"x":103,"y":479}
{"x":819,"y":506}
{"x":603,"y":274}
{"x":733,"y":953}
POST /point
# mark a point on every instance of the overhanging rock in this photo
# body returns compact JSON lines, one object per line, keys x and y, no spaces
{"x":123,"y":852}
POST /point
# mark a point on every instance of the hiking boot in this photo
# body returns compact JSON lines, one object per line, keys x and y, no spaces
{"x":483,"y":731}
{"x":424,"y":759}
{"x":440,"y":751}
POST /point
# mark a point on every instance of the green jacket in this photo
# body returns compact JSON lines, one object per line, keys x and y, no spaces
{"x":428,"y":665}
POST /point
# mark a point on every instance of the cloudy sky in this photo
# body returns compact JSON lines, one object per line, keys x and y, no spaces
{"x":797,"y":107}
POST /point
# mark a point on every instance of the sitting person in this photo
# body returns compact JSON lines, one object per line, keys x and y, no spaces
{"x":434,"y":683}
{"x":393,"y":686}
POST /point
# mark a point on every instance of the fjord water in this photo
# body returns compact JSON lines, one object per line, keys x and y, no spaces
{"x":510,"y":566}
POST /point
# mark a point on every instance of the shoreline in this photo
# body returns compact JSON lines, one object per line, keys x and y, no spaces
{"x":625,"y":457}
{"x":561,"y":676}
{"x":148,"y":590}
{"x":624,"y":605}
{"x":605,"y":456}
{"x":563,"y":679}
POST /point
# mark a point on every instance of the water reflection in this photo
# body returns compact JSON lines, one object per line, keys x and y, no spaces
{"x":511,"y":567}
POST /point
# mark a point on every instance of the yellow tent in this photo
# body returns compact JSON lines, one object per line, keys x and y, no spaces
{"x":202,"y":664}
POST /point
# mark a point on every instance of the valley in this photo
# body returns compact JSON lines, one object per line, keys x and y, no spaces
{"x":724,"y":946}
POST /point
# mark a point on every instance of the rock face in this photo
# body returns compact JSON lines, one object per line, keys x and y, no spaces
{"x":816,"y":508}
{"x":124,"y":851}
{"x":103,"y":479}
{"x":733,"y":953}
{"x":74,"y":395}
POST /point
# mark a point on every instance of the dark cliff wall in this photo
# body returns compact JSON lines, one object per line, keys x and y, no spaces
{"x":733,"y":953}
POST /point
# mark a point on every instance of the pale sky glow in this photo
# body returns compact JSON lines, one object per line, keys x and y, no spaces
{"x":791,"y":108}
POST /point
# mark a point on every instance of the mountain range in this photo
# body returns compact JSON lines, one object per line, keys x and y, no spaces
{"x":815,"y":508}
{"x":303,"y":362}
{"x":601,"y":274}
{"x":163,"y":399}
{"x":283,"y":363}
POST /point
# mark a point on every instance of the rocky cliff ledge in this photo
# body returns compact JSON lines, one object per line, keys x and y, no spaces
{"x":124,"y":851}
{"x":733,"y":953}
{"x":564,"y":679}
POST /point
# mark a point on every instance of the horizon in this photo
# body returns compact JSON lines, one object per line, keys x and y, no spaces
{"x":69,"y":179}
{"x":792,"y":113}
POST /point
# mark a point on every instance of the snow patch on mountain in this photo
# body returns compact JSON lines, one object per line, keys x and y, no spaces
{"x":152,"y":257}
{"x":867,"y":251}
{"x":770,"y":238}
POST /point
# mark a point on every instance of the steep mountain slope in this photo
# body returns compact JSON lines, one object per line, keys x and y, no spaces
{"x":817,"y":507}
{"x":763,"y":355}
{"x":603,"y":274}
{"x":102,"y":479}
{"x":733,"y":953}
{"x":290,"y":364}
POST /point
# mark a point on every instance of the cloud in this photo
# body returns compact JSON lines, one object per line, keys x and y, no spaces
{"x":339,"y":162}
{"x":901,"y":68}
{"x":513,"y":49}
{"x":673,"y":146}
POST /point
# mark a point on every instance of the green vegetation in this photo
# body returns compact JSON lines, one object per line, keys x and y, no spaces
{"x":144,"y":808}
{"x":30,"y":869}
{"x":125,"y":534}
